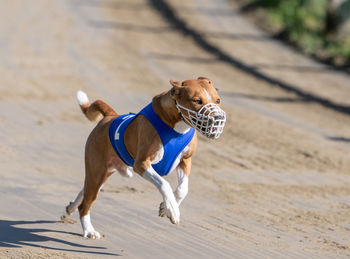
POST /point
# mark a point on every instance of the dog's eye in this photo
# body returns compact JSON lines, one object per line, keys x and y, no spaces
{"x":218,"y":101}
{"x":198,"y":101}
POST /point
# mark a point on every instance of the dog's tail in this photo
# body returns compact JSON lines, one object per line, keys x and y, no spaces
{"x":95,"y":110}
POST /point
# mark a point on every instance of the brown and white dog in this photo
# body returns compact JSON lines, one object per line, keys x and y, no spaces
{"x":191,"y":103}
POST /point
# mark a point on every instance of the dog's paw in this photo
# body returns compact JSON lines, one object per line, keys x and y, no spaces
{"x":70,"y":208}
{"x":92,"y":234}
{"x":172,"y":211}
{"x":162,"y":210}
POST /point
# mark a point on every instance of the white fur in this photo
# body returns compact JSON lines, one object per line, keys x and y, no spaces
{"x":182,"y":188}
{"x":178,"y":159}
{"x":208,"y":96}
{"x":159,"y":155}
{"x":181,"y":127}
{"x":129,"y":172}
{"x":181,"y":191}
{"x":88,"y":229}
{"x":125,"y":171}
{"x":75,"y":203}
{"x":171,"y":208}
{"x":82,"y":98}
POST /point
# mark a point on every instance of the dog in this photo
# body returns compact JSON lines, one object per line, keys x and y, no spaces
{"x":159,"y":139}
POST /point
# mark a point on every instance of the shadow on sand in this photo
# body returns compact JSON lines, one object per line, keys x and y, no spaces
{"x":14,"y":235}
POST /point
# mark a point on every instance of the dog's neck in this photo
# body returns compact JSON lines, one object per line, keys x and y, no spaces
{"x":181,"y":127}
{"x":164,"y":106}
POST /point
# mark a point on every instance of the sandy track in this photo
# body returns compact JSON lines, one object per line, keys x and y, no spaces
{"x":274,"y":185}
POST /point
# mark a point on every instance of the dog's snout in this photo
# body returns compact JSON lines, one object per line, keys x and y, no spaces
{"x":219,"y":117}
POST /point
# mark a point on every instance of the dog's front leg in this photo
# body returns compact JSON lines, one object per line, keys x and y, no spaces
{"x":183,"y":171}
{"x":171,"y":206}
{"x":182,"y":187}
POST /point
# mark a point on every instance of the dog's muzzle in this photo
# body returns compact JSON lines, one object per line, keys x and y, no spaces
{"x":209,"y":120}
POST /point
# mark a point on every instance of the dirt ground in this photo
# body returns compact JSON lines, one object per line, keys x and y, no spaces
{"x":275,"y":185}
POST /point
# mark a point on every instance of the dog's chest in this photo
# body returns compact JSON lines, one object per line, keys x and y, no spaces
{"x":178,"y":159}
{"x":160,"y":154}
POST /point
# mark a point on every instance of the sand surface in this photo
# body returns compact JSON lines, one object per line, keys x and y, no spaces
{"x":275,"y":185}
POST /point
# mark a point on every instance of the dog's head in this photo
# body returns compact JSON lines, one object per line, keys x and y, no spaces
{"x":198,"y":103}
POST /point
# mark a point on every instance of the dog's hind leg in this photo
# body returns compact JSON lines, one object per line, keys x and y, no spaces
{"x":71,"y":207}
{"x":90,"y":195}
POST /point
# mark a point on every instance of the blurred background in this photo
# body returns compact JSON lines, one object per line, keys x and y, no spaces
{"x":276,"y":182}
{"x":320,"y":28}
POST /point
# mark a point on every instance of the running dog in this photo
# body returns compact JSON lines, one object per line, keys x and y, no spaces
{"x":159,"y":139}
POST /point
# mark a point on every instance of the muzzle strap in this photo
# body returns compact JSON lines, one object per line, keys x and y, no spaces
{"x":180,"y":113}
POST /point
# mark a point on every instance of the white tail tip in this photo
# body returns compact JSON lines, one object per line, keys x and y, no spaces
{"x":82,"y":98}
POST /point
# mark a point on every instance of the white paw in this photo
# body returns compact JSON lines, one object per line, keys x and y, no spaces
{"x":170,"y":208}
{"x":92,"y":234}
{"x":70,"y":208}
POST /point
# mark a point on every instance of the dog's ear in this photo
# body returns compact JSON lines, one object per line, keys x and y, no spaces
{"x":175,"y":83}
{"x":176,"y":88}
{"x":204,"y":78}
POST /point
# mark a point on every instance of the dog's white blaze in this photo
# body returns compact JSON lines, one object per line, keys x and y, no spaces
{"x":82,"y":97}
{"x":182,"y":188}
{"x":159,"y":155}
{"x":88,"y":228}
{"x":181,"y":127}
{"x":208,"y":96}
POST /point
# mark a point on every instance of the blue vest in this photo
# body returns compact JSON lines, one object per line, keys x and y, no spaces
{"x":173,"y":142}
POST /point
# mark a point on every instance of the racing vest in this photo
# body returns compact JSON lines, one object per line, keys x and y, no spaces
{"x":173,"y":142}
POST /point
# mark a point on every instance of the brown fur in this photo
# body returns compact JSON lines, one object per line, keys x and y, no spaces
{"x":94,"y":111}
{"x":141,"y":139}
